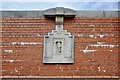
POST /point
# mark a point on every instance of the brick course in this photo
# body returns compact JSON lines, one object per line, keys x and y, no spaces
{"x":96,"y":47}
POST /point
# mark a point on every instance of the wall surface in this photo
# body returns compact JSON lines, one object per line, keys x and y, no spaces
{"x":95,"y":50}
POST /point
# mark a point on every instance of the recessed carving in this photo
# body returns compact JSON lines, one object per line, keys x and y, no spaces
{"x":58,"y":45}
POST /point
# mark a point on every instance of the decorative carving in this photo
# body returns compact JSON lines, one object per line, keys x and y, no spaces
{"x":59,"y":11}
{"x":58,"y":45}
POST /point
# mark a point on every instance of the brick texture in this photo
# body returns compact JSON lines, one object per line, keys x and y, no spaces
{"x":95,"y":54}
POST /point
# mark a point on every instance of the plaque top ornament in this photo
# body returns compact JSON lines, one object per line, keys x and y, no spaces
{"x":59,"y":11}
{"x":59,"y":44}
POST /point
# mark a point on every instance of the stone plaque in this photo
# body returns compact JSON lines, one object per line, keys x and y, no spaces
{"x":58,"y":46}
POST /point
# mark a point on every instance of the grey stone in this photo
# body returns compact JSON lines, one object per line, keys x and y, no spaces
{"x":61,"y":11}
{"x":59,"y":20}
{"x":67,"y":13}
{"x":97,"y":13}
{"x":58,"y":46}
{"x":21,"y":14}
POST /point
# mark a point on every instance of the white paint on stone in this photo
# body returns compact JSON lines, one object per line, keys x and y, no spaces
{"x":13,"y":43}
{"x":60,"y":67}
{"x":10,"y":51}
{"x":10,"y":60}
{"x":85,"y":51}
{"x":106,"y":45}
{"x":91,"y":36}
{"x":100,"y":43}
{"x":79,"y":35}
{"x":99,"y":68}
{"x":94,"y":29}
{"x":110,"y":50}
{"x":92,"y":25}
{"x":104,"y":70}
{"x":16,"y":70}
{"x":13,"y":60}
{"x":24,"y":43}
{"x":86,"y":48}
{"x":38,"y":34}
{"x":101,"y":36}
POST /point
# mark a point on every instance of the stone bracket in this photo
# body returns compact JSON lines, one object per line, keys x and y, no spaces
{"x":59,"y":11}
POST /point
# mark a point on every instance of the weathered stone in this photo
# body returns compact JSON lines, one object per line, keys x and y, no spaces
{"x":59,"y":20}
{"x":58,"y":46}
{"x":59,"y":11}
{"x":86,"y":14}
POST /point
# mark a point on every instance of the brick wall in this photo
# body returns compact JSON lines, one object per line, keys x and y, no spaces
{"x":96,"y":47}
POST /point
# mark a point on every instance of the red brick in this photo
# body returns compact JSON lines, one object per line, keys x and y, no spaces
{"x":28,"y":58}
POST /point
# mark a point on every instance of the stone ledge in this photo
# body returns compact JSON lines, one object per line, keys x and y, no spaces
{"x":58,"y":11}
{"x":89,"y":77}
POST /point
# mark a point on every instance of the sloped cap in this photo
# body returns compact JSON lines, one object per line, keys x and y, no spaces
{"x":59,"y":11}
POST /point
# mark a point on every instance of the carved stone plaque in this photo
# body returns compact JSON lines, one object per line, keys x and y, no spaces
{"x":58,"y":46}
